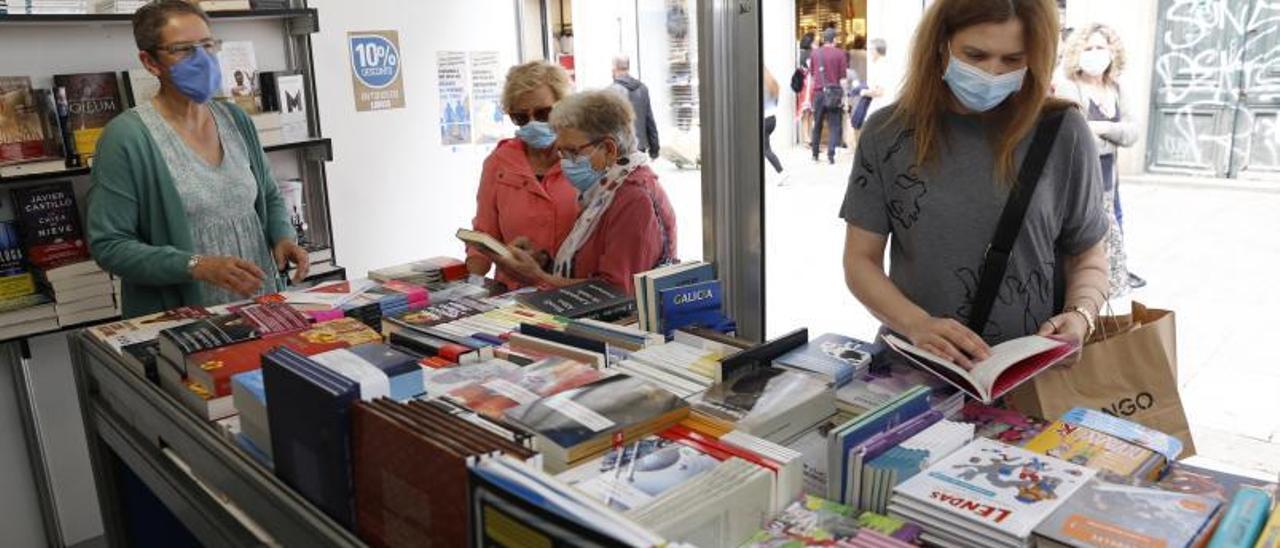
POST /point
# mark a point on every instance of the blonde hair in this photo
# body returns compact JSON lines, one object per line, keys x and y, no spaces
{"x":926,"y":98}
{"x":599,"y":114}
{"x":527,"y":77}
{"x":1075,"y":46}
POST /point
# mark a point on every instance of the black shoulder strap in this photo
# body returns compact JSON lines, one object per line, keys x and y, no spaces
{"x":996,"y":259}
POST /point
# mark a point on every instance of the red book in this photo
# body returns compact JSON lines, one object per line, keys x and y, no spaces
{"x":273,"y":318}
{"x":212,"y":369}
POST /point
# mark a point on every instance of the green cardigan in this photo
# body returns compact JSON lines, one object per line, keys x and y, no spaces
{"x":137,"y":226}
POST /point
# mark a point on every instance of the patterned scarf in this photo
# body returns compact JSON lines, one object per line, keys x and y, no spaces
{"x":594,"y":202}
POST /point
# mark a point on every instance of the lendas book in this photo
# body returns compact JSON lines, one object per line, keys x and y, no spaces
{"x":990,"y":489}
{"x":1011,"y":363}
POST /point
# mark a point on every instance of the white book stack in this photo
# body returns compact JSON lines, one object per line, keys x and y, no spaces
{"x":82,"y":293}
{"x":28,"y":321}
{"x":681,"y":369}
{"x":723,"y":507}
{"x":55,"y":7}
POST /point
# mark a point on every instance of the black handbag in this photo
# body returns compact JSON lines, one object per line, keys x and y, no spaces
{"x":797,"y":80}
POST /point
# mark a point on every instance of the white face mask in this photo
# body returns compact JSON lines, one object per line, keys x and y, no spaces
{"x":1095,"y":62}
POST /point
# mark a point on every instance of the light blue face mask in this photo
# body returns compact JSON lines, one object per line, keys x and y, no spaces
{"x":537,"y":134}
{"x":979,"y":90}
{"x":581,"y":174}
{"x":198,"y":76}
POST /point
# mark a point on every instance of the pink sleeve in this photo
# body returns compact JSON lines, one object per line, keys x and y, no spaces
{"x":486,"y":219}
{"x":632,"y":240}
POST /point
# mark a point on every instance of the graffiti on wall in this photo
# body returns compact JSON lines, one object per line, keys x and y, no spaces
{"x":1212,"y":56}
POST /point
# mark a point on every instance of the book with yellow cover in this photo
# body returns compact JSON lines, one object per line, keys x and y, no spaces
{"x":1086,"y":447}
{"x":1270,"y":537}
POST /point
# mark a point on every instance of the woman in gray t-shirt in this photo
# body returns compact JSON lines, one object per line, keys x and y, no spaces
{"x":934,"y":171}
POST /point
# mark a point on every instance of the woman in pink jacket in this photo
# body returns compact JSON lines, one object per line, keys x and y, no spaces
{"x":626,"y":224}
{"x":524,"y":198}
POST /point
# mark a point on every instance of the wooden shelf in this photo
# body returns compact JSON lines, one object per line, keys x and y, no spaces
{"x":127,"y":18}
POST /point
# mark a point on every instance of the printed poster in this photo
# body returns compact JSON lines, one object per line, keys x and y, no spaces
{"x":375,"y":70}
{"x":487,"y":118}
{"x":455,"y":101}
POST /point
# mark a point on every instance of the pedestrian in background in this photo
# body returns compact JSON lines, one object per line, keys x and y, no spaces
{"x":1091,"y":66}
{"x":638,"y":94}
{"x":828,"y":66}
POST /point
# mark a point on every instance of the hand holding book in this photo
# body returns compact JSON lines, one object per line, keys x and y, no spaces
{"x":950,"y":339}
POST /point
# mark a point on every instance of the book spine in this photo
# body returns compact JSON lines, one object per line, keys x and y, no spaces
{"x":1243,"y":521}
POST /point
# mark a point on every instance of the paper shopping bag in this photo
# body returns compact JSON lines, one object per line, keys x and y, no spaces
{"x":1131,"y":373}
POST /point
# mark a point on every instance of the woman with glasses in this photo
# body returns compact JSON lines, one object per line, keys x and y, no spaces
{"x":627,"y":224}
{"x":183,"y":207}
{"x":936,"y":169}
{"x":524,"y":199}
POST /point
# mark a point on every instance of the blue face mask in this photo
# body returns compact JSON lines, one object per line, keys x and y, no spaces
{"x":979,"y":90}
{"x":582,"y":175}
{"x":537,"y":134}
{"x":198,"y":76}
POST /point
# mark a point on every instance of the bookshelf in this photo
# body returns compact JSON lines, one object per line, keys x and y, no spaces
{"x":40,"y":46}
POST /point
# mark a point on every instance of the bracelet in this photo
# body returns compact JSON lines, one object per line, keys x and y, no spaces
{"x":1090,"y":320}
{"x":192,"y":263}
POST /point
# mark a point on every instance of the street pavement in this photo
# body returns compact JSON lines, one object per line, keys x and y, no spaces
{"x":1210,"y":253}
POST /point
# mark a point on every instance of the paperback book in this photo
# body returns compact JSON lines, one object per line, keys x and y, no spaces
{"x":93,"y":99}
{"x":1102,"y":514}
{"x":1011,"y":363}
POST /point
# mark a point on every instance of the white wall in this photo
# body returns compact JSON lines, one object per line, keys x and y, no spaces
{"x":396,"y":193}
{"x":602,"y":29}
{"x":1136,"y":24}
{"x":780,"y":47}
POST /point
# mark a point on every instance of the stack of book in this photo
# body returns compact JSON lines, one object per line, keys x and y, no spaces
{"x":135,"y":340}
{"x":49,"y":223}
{"x":594,"y":299}
{"x":576,"y":424}
{"x":847,"y":443}
{"x":492,"y":397}
{"x":813,"y":521}
{"x":410,"y":474}
{"x":505,"y":491}
{"x":1100,"y":441}
{"x":249,"y":396}
{"x":310,"y":426}
{"x":680,"y":295}
{"x":23,"y":309}
{"x":380,"y":370}
{"x":770,"y":402}
{"x":899,"y":454}
{"x":428,"y":273}
{"x":836,"y":358}
{"x":682,"y":369}
{"x":987,"y":494}
{"x":224,"y":5}
{"x":190,"y":371}
{"x":118,"y":6}
{"x":890,"y":379}
{"x":53,"y":7}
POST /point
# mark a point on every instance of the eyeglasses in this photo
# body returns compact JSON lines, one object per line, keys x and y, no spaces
{"x":183,"y":51}
{"x":567,"y":153}
{"x":539,"y":114}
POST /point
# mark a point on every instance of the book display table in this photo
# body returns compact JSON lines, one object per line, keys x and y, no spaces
{"x":216,"y":490}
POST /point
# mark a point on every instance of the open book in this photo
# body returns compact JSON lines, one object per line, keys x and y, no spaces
{"x":1011,"y":364}
{"x":484,"y":241}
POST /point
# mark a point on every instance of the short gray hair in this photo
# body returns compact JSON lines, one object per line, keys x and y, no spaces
{"x":621,"y":61}
{"x":598,"y":113}
{"x":151,"y":18}
{"x":879,"y":45}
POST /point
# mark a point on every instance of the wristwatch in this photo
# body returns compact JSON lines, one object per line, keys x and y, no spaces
{"x":1090,"y":320}
{"x":192,"y":263}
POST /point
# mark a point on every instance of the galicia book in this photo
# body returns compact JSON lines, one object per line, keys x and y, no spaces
{"x":49,"y":221}
{"x":93,"y":100}
{"x":989,"y":489}
{"x":1104,"y":514}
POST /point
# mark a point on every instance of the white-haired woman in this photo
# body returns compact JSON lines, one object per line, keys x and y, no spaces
{"x":626,"y":224}
{"x":524,"y":198}
{"x":1092,"y":64}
